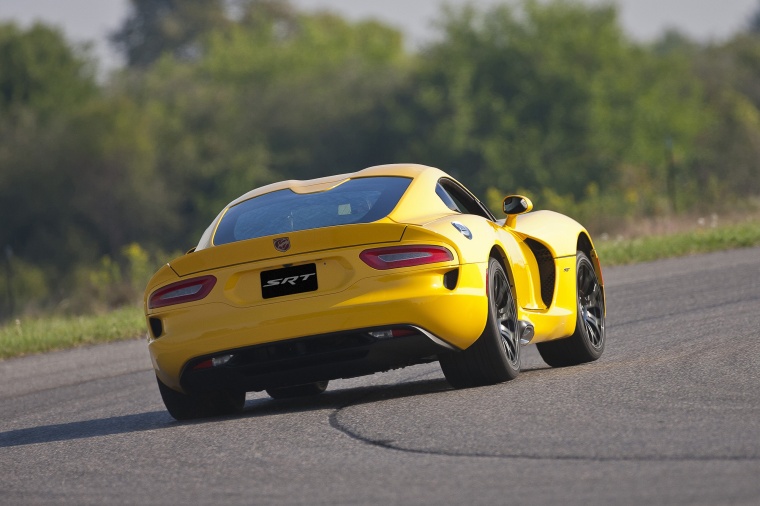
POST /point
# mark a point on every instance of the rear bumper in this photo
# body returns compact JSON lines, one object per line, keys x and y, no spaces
{"x":308,"y":360}
{"x":414,"y":297}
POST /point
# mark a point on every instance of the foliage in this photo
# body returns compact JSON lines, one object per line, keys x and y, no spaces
{"x":507,"y":94}
{"x":39,"y":70}
{"x":550,"y":99}
{"x":157,"y":27}
{"x":264,"y":102}
{"x":79,"y":185}
{"x":551,"y":96}
{"x":730,"y":148}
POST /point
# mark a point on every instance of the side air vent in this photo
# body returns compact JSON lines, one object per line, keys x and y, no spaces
{"x":450,"y":279}
{"x":156,"y":327}
{"x":546,"y":269}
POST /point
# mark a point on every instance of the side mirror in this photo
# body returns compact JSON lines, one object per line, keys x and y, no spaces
{"x":514,"y":205}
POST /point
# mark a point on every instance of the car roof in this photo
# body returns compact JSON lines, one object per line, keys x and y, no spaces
{"x":411,"y":170}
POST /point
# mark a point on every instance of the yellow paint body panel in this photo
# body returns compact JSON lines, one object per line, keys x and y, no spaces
{"x":353,"y":295}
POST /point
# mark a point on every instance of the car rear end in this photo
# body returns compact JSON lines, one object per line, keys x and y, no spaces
{"x":306,"y":304}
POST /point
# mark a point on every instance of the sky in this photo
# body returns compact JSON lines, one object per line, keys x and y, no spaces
{"x":92,"y":20}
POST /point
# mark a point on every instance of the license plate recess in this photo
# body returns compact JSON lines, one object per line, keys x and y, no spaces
{"x":289,"y":281}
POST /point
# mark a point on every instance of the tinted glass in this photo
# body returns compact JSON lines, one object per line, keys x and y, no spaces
{"x":459,"y":200}
{"x":444,"y":195}
{"x":361,"y":200}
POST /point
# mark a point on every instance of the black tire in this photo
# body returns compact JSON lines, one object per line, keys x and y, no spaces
{"x":495,"y":356}
{"x":306,"y":390}
{"x":587,"y":342}
{"x":187,"y":407}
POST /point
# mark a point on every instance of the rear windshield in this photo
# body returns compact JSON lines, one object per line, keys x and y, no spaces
{"x":362,"y":200}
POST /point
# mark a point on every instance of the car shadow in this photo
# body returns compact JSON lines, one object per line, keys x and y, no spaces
{"x":258,"y":407}
{"x":344,"y":397}
{"x":369,"y":394}
{"x":86,"y":429}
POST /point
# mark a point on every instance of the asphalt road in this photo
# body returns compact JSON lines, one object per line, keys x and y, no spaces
{"x":669,"y":415}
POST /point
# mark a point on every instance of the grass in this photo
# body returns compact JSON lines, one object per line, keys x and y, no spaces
{"x":25,"y":336}
{"x":705,"y":240}
{"x":37,"y":335}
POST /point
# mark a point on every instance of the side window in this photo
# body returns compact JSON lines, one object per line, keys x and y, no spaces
{"x":444,"y":195}
{"x":458,"y":199}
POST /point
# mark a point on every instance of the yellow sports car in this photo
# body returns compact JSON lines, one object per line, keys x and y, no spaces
{"x":301,"y":282}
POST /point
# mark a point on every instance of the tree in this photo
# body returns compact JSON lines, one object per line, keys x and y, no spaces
{"x":730,"y":147}
{"x":42,"y":82}
{"x":76,"y":171}
{"x":39,"y":71}
{"x":507,"y":96}
{"x":176,"y":27}
{"x":275,"y":95}
{"x":313,"y":91}
{"x":547,"y":97}
{"x":754,"y":22}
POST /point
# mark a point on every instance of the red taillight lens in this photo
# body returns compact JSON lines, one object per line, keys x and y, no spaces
{"x":387,"y":333}
{"x":405,"y":256}
{"x":182,"y":291}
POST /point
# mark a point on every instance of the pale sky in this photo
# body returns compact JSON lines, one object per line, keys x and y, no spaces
{"x":92,"y":20}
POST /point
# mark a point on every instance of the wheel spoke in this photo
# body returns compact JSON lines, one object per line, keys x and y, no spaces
{"x":593,"y":327}
{"x":584,"y":281}
{"x":508,"y":337}
{"x":501,"y":292}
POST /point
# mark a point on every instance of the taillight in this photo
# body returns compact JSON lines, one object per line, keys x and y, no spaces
{"x":182,"y":291}
{"x":213,"y":362}
{"x":388,"y":333}
{"x":405,"y":256}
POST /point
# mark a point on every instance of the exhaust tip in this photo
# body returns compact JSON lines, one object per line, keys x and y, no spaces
{"x":525,"y":331}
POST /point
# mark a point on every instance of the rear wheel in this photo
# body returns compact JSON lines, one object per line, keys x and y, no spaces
{"x":188,"y":406}
{"x":495,"y":356}
{"x":306,"y":390}
{"x":587,"y":342}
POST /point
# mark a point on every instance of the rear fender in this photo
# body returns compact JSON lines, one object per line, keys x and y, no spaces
{"x":487,"y":238}
{"x":563,"y":237}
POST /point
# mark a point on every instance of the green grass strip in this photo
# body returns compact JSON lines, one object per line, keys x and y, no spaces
{"x":646,"y":249}
{"x":36,"y":335}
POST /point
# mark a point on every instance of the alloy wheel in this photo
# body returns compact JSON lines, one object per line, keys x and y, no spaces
{"x":506,"y":317}
{"x":591,"y":305}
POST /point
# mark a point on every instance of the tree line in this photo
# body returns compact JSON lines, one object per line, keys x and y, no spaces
{"x":102,"y":178}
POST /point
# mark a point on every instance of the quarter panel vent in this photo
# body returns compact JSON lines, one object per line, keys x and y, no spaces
{"x":546,"y":270}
